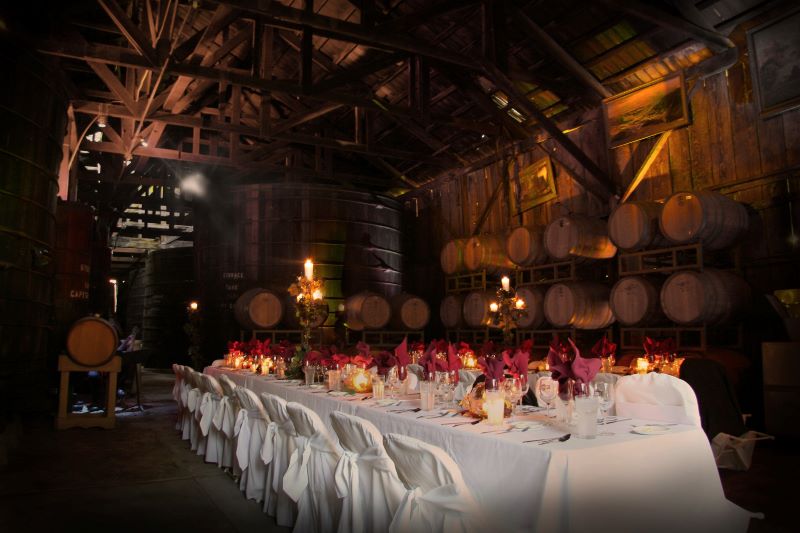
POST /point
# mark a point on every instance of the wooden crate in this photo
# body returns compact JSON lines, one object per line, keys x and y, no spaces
{"x":458,"y":283}
{"x":668,"y":260}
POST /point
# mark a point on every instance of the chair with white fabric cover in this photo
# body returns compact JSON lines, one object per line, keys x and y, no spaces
{"x":224,"y":421}
{"x":366,"y":478}
{"x":250,"y":430}
{"x":466,"y":379}
{"x":202,"y":405}
{"x":209,"y":404}
{"x":176,"y":394}
{"x":185,"y":388}
{"x":417,"y":370}
{"x":283,"y":435}
{"x":310,"y":477}
{"x":658,"y":397}
{"x":191,"y":426}
{"x":436,"y":498}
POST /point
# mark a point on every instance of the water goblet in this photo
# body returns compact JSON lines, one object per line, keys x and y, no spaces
{"x":546,"y":391}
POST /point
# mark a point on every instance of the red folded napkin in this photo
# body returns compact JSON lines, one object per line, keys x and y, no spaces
{"x":363,"y":361}
{"x":517,"y":363}
{"x":362,"y":348}
{"x":313,"y":357}
{"x":453,"y":361}
{"x":604,"y":348}
{"x":401,"y":353}
{"x":340,"y":359}
{"x":579,"y":369}
{"x":492,"y":367}
{"x":385,"y":361}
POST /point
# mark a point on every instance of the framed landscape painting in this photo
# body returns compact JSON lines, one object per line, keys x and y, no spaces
{"x":775,"y":64}
{"x":533,"y":185}
{"x":646,"y":111}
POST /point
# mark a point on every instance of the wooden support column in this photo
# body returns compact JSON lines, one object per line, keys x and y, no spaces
{"x":648,"y":162}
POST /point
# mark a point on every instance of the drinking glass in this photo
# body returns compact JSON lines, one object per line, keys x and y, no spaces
{"x":378,"y":385}
{"x":524,"y":387}
{"x":309,"y":371}
{"x":427,"y":395}
{"x":546,"y":390}
{"x":392,"y":382}
{"x":453,"y":383}
{"x":586,"y":416}
{"x":605,"y":394}
{"x":512,"y":390}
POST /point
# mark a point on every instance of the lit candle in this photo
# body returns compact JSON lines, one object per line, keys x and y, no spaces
{"x":361,"y":381}
{"x":506,"y":283}
{"x":317,"y":294}
{"x":299,"y":297}
{"x":309,"y":267}
{"x":494,"y":405}
{"x":493,"y":307}
{"x":520,"y":303}
{"x":642,"y":365}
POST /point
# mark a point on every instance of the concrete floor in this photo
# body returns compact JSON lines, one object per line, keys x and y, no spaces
{"x":142,"y":477}
{"x":139,"y":477}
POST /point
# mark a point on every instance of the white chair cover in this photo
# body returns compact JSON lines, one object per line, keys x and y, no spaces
{"x":437,"y":498}
{"x":366,"y":478}
{"x":417,"y":370}
{"x":225,"y":420}
{"x":250,"y":430}
{"x":186,"y":416}
{"x":659,"y":397}
{"x":310,"y":479}
{"x":193,"y":396}
{"x":209,"y":405}
{"x":281,"y":430}
{"x":466,"y":379}
{"x":176,"y":394}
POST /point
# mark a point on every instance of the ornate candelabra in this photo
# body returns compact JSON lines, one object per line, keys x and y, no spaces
{"x":309,"y":302}
{"x":507,"y":310}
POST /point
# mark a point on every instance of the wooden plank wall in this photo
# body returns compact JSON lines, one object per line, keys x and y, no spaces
{"x":727,"y":147}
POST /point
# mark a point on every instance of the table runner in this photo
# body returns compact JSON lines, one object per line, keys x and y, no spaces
{"x":622,"y":483}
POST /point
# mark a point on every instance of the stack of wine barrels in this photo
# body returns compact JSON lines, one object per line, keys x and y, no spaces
{"x":709,"y":297}
{"x":703,"y":216}
{"x":634,"y":226}
{"x":525,"y":247}
{"x":578,"y":236}
{"x":578,"y":304}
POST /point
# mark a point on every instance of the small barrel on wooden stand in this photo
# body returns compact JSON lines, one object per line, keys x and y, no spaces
{"x":703,"y":216}
{"x":476,"y":308}
{"x":451,"y":311}
{"x":409,"y":312}
{"x":635,"y":300}
{"x":367,"y":310}
{"x":578,"y":236}
{"x":258,"y":309}
{"x":524,"y":246}
{"x":92,"y":341}
{"x":579,"y":304}
{"x":452,"y":256}
{"x":709,"y":297}
{"x":634,"y":225}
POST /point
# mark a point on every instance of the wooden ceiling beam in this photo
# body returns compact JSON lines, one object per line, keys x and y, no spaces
{"x":132,"y":33}
{"x":424,"y":15}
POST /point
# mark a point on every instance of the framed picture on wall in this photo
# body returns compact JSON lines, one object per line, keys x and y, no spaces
{"x":531,"y":185}
{"x":645,"y":111}
{"x":775,"y":64}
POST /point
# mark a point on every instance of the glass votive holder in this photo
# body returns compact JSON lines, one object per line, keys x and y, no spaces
{"x":309,"y":372}
{"x":427,"y":395}
{"x":334,"y":380}
{"x":586,"y":416}
{"x":494,"y":404}
{"x":378,"y":387}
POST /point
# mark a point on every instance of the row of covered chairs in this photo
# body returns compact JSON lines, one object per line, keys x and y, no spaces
{"x":352,"y":479}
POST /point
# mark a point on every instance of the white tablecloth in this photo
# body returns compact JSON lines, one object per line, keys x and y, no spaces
{"x":624,"y":482}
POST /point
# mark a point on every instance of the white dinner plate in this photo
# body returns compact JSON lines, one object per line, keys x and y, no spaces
{"x":527,"y":424}
{"x":650,"y":430}
{"x":317,"y":386}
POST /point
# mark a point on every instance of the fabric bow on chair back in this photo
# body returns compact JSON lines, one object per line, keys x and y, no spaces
{"x":366,"y":478}
{"x":224,"y":421}
{"x":191,"y":426}
{"x":209,"y":405}
{"x":658,"y":397}
{"x":437,"y":498}
{"x":250,"y":430}
{"x":276,"y":454}
{"x":177,"y":388}
{"x":310,"y":477}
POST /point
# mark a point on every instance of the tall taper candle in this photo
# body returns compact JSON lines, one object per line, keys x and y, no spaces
{"x":309,"y":269}
{"x":506,"y":283}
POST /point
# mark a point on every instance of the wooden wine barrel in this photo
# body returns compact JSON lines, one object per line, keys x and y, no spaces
{"x":534,"y":305}
{"x":476,"y":308}
{"x":452,"y":256}
{"x":709,"y":297}
{"x":635,"y":300}
{"x":290,"y":314}
{"x":409,"y":312}
{"x":92,"y":341}
{"x":578,"y":236}
{"x":258,"y":309}
{"x":367,"y":310}
{"x":634,"y":225}
{"x":524,"y":246}
{"x":451,"y":311}
{"x":486,"y":252}
{"x":703,"y":216}
{"x":580,"y":304}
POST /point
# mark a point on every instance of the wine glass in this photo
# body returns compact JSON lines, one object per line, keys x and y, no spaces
{"x":511,"y":390}
{"x":392,"y":382}
{"x":546,"y":390}
{"x":453,"y":383}
{"x":605,"y":394}
{"x":524,"y":387}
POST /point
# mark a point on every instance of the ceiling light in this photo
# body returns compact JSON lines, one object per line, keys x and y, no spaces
{"x":102,"y":120}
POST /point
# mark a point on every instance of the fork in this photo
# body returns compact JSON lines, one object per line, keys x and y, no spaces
{"x":456,"y":424}
{"x":415,"y":410}
{"x":562,"y":438}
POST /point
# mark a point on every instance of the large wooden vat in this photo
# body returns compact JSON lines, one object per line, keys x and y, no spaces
{"x":367,"y":310}
{"x":73,"y":260}
{"x":579,"y":304}
{"x":409,"y":312}
{"x":451,"y":311}
{"x":258,"y":309}
{"x":578,"y":236}
{"x":133,"y":298}
{"x":452,"y":256}
{"x":709,"y":297}
{"x":634,"y":225}
{"x":534,"y":305}
{"x":33,"y":117}
{"x":92,"y":341}
{"x":169,"y":287}
{"x":476,"y":308}
{"x":260,"y":235}
{"x":703,"y":216}
{"x":486,"y":252}
{"x":635,"y":300}
{"x":524,"y":246}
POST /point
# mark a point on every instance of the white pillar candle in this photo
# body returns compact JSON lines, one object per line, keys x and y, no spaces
{"x":309,"y":268}
{"x":506,"y":283}
{"x":494,"y":405}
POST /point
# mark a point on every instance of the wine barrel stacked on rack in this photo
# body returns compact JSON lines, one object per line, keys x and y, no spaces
{"x":451,"y":311}
{"x":578,"y":236}
{"x":486,"y":252}
{"x":258,"y":309}
{"x":703,"y":216}
{"x":525,"y":247}
{"x":635,"y":300}
{"x":634,"y":225}
{"x":709,"y":297}
{"x":578,"y":304}
{"x":452,"y":257}
{"x":367,"y":310}
{"x":409,"y":312}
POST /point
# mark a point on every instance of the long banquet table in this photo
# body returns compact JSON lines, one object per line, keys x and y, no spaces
{"x":623,"y":482}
